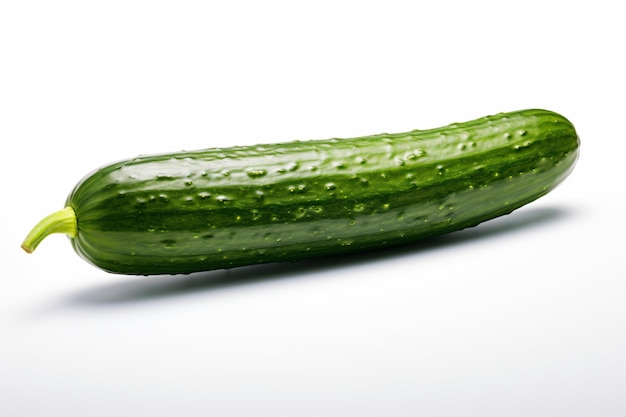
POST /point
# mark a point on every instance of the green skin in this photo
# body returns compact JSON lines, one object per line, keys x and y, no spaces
{"x":222,"y":208}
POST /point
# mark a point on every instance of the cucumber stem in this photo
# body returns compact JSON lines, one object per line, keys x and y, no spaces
{"x":62,"y":221}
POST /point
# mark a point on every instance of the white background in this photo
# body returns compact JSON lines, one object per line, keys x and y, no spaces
{"x":522,"y":316}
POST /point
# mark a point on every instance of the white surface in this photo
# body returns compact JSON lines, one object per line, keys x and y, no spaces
{"x":524,"y":315}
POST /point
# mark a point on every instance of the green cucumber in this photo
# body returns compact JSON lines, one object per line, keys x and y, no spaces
{"x":222,"y":208}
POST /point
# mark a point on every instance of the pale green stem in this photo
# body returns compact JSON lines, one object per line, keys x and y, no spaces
{"x":62,"y":221}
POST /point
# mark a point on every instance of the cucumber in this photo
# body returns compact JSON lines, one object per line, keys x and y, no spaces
{"x":222,"y":208}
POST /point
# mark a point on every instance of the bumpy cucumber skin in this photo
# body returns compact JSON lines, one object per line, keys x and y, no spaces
{"x":222,"y":208}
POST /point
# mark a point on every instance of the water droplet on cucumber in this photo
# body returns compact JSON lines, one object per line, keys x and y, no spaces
{"x":257,"y":173}
{"x":292,"y":166}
